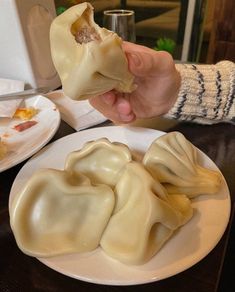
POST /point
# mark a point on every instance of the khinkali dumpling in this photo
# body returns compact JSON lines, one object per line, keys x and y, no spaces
{"x":143,"y":218}
{"x":60,"y":212}
{"x":89,"y":59}
{"x":172,"y":160}
{"x":100,"y":160}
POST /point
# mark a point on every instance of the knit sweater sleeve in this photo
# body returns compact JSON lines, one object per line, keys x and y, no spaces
{"x":207,"y":93}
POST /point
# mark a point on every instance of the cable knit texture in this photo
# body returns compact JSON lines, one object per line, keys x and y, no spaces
{"x":207,"y":93}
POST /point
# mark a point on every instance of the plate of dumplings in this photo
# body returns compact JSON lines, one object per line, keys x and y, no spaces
{"x":142,"y":204}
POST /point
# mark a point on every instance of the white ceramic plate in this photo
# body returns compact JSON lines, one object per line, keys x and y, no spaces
{"x":22,"y":145}
{"x":189,"y":244}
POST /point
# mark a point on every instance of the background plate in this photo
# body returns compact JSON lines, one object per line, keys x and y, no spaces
{"x":22,"y":145}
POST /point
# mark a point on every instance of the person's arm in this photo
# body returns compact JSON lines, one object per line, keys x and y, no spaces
{"x":207,"y":93}
{"x":200,"y":93}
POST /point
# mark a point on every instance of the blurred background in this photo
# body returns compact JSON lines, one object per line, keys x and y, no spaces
{"x":191,"y":30}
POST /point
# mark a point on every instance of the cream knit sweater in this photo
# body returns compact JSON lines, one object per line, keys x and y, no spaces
{"x":207,"y":93}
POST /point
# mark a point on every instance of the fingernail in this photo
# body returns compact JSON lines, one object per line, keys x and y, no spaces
{"x":135,"y":59}
{"x":127,"y":118}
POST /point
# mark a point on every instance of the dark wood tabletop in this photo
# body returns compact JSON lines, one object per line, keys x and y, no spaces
{"x":19,"y":272}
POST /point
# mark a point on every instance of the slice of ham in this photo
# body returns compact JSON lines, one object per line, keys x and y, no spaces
{"x":24,"y":126}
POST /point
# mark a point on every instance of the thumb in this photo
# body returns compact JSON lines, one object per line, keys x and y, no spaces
{"x":141,"y":64}
{"x":150,"y":63}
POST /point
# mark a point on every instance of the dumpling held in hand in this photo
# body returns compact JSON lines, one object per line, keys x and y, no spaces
{"x":89,"y":59}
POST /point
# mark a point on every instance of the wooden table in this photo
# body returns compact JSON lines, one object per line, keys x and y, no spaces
{"x":19,"y":272}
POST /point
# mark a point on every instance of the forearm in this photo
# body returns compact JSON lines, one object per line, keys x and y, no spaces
{"x":207,"y":93}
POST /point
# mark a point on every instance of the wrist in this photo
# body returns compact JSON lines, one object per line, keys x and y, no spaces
{"x":174,"y":93}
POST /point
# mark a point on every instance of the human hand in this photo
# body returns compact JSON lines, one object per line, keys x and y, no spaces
{"x":157,"y":82}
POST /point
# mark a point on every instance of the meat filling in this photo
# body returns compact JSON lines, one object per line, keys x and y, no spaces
{"x":86,"y":34}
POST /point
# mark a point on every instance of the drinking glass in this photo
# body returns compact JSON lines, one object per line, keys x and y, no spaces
{"x":122,"y":22}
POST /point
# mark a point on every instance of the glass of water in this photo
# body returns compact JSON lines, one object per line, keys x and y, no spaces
{"x":122,"y":22}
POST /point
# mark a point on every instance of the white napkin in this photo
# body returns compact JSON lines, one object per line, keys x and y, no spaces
{"x":8,"y":108}
{"x":78,"y":114}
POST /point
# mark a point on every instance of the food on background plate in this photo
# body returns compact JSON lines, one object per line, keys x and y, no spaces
{"x":25,"y":113}
{"x":173,"y":160}
{"x":22,"y":114}
{"x":126,"y":210}
{"x":25,"y":125}
{"x":89,"y":59}
{"x":3,"y":149}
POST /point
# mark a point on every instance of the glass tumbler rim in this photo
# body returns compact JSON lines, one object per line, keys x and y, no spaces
{"x":119,"y":12}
